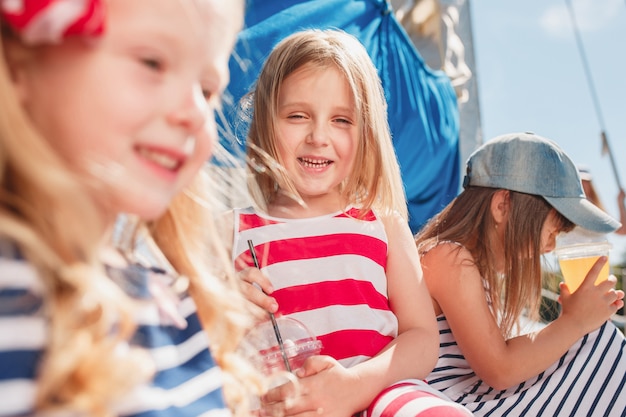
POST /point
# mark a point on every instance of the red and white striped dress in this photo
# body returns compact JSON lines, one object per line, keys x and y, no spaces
{"x":329,"y":273}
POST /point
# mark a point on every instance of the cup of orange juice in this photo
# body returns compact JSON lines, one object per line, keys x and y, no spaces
{"x":577,"y":253}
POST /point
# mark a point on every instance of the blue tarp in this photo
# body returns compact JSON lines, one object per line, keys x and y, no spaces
{"x":423,"y":112}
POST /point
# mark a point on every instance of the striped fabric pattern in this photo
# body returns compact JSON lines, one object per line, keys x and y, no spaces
{"x":413,"y":398}
{"x":187,"y":383}
{"x":329,"y":273}
{"x":589,"y":380}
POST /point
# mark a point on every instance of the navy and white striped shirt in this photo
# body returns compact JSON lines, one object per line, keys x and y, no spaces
{"x":589,"y":380}
{"x":187,"y":382}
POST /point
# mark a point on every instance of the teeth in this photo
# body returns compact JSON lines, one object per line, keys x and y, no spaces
{"x":311,"y":163}
{"x":166,"y":161}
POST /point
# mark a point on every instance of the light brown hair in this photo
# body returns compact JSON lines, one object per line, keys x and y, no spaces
{"x":467,"y":220}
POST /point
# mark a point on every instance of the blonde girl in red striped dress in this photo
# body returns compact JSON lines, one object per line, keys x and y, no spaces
{"x":331,"y":234}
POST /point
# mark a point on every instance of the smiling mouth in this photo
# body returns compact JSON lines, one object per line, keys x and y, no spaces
{"x":161,"y":159}
{"x":314,"y":163}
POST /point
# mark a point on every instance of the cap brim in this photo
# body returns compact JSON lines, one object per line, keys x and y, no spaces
{"x":583,"y":213}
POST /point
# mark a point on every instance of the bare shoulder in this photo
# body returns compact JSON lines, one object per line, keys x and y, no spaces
{"x":448,"y":252}
{"x":402,"y":256}
{"x":446,"y":262}
{"x":396,"y":227}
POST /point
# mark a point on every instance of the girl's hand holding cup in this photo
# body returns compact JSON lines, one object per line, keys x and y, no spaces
{"x":594,"y":301}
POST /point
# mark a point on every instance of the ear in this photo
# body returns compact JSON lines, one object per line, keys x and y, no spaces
{"x":500,"y":204}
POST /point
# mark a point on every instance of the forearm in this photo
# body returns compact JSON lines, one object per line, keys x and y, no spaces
{"x":526,"y":356}
{"x":413,"y":354}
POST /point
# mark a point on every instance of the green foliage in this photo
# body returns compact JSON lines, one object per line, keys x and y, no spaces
{"x":550,"y":308}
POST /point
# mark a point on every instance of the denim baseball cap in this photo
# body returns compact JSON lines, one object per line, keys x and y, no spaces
{"x":527,"y":163}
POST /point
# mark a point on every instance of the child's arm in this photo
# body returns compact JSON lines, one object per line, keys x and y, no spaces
{"x":412,"y":354}
{"x":455,"y":283}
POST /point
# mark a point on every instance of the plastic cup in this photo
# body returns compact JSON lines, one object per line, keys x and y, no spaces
{"x":298,"y":344}
{"x":577,"y":259}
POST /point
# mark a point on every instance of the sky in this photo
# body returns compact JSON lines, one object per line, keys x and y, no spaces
{"x":531,"y":77}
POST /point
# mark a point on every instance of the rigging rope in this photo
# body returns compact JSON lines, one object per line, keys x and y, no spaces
{"x":596,"y":103}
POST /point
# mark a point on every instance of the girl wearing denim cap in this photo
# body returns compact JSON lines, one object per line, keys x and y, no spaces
{"x":482,"y":262}
{"x":107,"y":108}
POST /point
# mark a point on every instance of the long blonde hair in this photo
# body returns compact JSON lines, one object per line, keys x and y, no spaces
{"x":375,"y":181}
{"x":46,"y":213}
{"x":468,"y":220}
{"x":189,"y":238}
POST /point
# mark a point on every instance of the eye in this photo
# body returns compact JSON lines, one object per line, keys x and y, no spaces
{"x":343,"y":120}
{"x":152,"y":63}
{"x":207,"y":94}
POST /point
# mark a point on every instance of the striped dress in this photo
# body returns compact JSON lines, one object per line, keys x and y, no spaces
{"x":187,"y":383}
{"x":329,"y":273}
{"x":589,"y":380}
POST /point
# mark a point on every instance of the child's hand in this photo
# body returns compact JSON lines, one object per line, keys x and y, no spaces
{"x":256,"y":288}
{"x":591,"y":305}
{"x":326,"y":389}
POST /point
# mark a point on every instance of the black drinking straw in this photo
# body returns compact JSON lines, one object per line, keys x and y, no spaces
{"x":279,"y":338}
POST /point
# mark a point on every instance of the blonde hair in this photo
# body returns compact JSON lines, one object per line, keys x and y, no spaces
{"x":375,"y":181}
{"x":188,"y":236}
{"x":46,"y":212}
{"x":468,"y":220}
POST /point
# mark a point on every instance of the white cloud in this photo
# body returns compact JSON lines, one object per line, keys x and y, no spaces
{"x":591,"y":15}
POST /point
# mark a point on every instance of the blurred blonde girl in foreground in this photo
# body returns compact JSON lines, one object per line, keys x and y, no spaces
{"x":107,"y":108}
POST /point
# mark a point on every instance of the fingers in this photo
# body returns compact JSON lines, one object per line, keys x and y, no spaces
{"x":288,"y":401}
{"x":255,"y":288}
{"x":283,"y":399}
{"x":613,"y":298}
{"x":318,"y":412}
{"x":255,"y":277}
{"x":563,"y":290}
{"x":593,"y":273}
{"x":619,"y":303}
{"x":614,"y":301}
{"x":315,"y":364}
{"x":608,"y":284}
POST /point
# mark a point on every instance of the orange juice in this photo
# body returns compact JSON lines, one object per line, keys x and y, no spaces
{"x":575,"y":270}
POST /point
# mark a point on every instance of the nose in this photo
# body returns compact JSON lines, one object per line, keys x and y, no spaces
{"x":191,"y":111}
{"x":318,"y":135}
